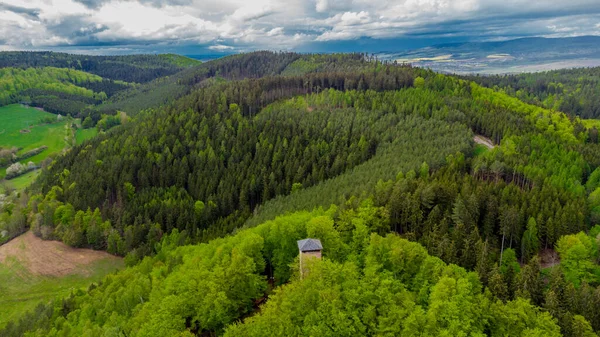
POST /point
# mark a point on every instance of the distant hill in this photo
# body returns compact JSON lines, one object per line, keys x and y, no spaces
{"x":513,"y":56}
{"x":128,"y":68}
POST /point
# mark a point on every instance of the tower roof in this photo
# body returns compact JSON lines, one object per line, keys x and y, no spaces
{"x":309,"y":245}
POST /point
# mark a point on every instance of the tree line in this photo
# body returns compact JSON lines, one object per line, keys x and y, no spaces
{"x":127,"y":68}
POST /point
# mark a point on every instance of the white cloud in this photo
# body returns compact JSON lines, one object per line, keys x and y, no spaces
{"x":280,"y":24}
{"x":221,"y":47}
{"x":275,"y":31}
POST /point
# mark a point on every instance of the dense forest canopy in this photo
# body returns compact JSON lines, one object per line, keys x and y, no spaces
{"x":52,"y":76}
{"x":503,"y":235}
{"x":367,"y":285}
{"x":573,"y":91}
{"x":127,"y":68}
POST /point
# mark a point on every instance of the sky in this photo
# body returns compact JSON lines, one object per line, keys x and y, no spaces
{"x":199,"y":27}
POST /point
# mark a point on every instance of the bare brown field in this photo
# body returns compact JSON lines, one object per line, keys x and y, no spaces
{"x":51,"y":258}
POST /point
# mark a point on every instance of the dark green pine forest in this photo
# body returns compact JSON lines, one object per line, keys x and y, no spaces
{"x":446,"y":206}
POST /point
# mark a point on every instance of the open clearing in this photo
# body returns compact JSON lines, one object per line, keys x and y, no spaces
{"x":484,"y":141}
{"x":23,"y":181}
{"x":15,"y":118}
{"x":84,"y":134}
{"x":21,"y":128}
{"x":33,"y":270}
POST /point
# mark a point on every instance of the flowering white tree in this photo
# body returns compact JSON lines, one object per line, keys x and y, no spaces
{"x":15,"y":169}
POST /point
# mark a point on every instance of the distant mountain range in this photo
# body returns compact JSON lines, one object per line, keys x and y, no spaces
{"x":513,"y":56}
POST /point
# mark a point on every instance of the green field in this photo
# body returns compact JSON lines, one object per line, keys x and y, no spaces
{"x":84,"y":134}
{"x":15,"y":118}
{"x":21,"y":182}
{"x":15,"y":121}
{"x":21,"y":290}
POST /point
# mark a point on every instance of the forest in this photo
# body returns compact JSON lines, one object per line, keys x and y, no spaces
{"x":126,"y":68}
{"x":573,"y":91}
{"x":76,"y":84}
{"x":208,"y":185}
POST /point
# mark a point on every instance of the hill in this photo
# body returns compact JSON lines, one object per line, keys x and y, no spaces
{"x":163,"y":91}
{"x":367,"y":284}
{"x":265,"y":141}
{"x":574,"y":91}
{"x":57,"y":90}
{"x":128,"y":68}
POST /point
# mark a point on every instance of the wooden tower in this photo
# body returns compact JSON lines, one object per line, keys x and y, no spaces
{"x":309,"y":249}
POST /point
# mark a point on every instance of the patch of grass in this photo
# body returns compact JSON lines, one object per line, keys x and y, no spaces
{"x":15,"y":118}
{"x":480,"y":149}
{"x":21,"y":291}
{"x":84,"y":134}
{"x":22,"y":182}
{"x":20,"y":127}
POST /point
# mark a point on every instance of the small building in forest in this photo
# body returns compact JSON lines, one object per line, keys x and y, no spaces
{"x":309,"y":249}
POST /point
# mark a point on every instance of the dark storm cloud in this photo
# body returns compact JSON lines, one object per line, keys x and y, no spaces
{"x":31,"y":13}
{"x":77,"y":29}
{"x":509,"y":25}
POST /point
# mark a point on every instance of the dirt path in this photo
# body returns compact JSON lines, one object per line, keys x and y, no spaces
{"x":50,"y":258}
{"x":484,"y":141}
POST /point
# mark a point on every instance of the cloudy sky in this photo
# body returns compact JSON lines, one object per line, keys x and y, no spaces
{"x":205,"y":26}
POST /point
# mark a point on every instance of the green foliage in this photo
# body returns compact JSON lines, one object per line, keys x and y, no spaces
{"x":578,"y":255}
{"x":128,"y":68}
{"x":24,"y":139}
{"x":107,"y":122}
{"x":325,"y":63}
{"x":574,"y":91}
{"x":179,"y":60}
{"x":530,"y":244}
{"x":87,"y":123}
{"x":390,"y":145}
{"x":400,"y":289}
{"x":13,"y":80}
{"x":419,"y":82}
{"x":545,"y":121}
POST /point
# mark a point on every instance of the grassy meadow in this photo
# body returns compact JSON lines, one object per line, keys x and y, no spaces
{"x":21,"y":291}
{"x":16,"y":120}
{"x":23,"y":286}
{"x":81,"y":135}
{"x":21,"y":182}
